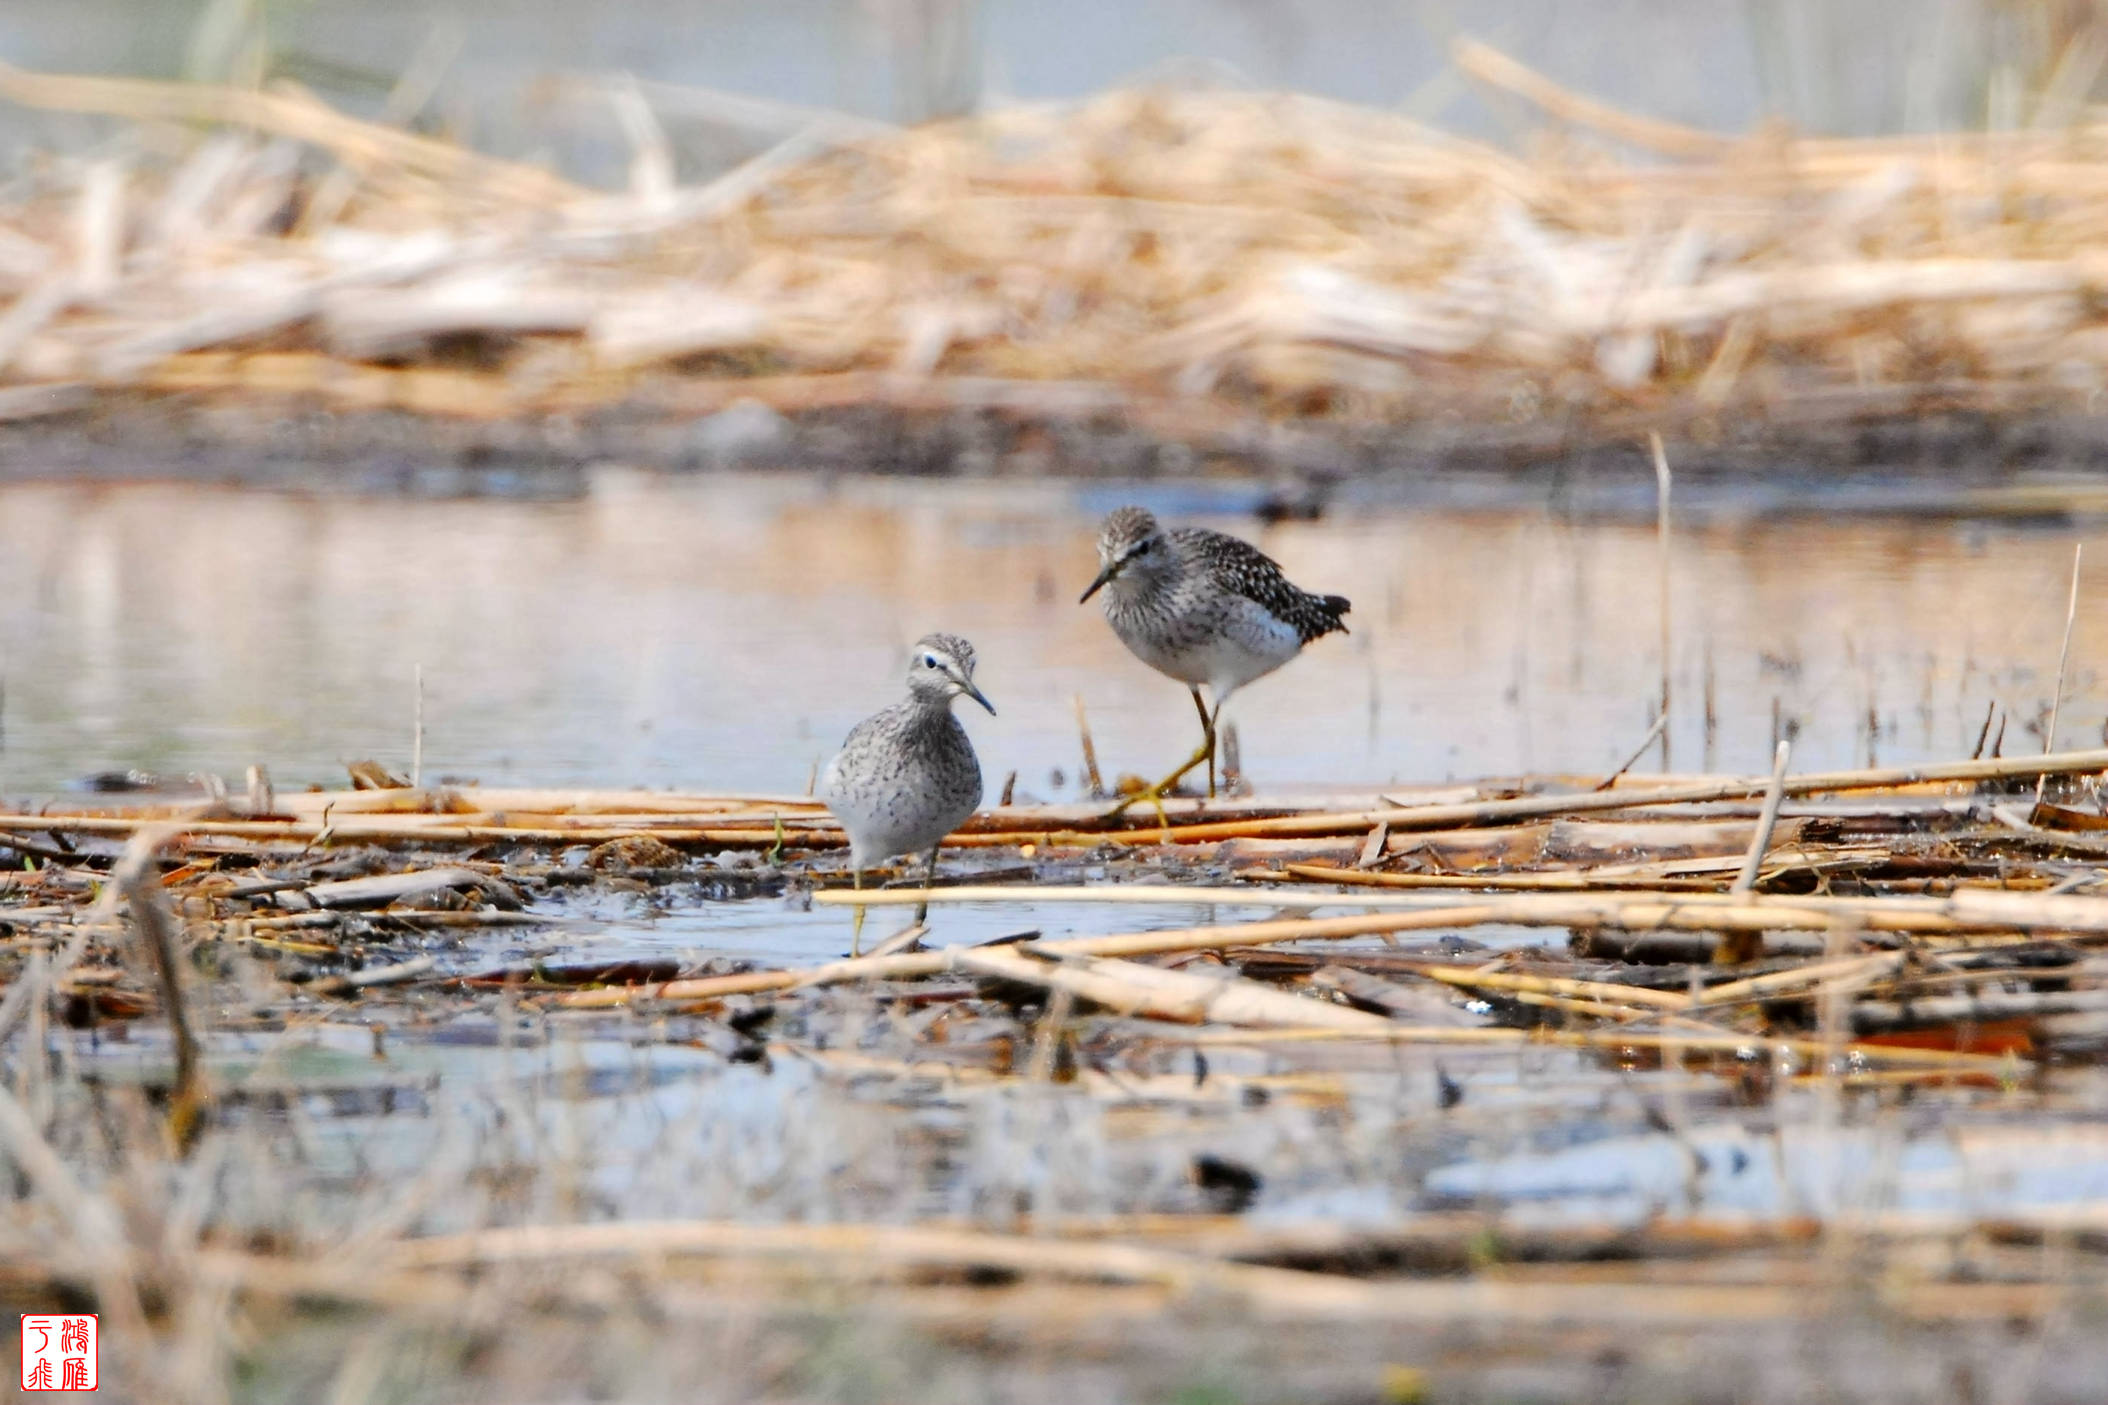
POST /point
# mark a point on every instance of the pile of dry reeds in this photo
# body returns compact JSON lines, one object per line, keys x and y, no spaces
{"x":1910,"y":888}
{"x":1824,"y":953}
{"x":1170,"y":253}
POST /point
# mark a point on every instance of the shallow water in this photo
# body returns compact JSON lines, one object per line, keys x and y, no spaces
{"x":726,"y":632}
{"x":791,"y":931}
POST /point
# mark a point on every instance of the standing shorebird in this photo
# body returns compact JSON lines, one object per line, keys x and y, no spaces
{"x":907,"y":776}
{"x":1203,"y":608}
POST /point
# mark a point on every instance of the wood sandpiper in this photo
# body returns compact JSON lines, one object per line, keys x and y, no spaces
{"x":907,"y":776}
{"x":1203,"y":608}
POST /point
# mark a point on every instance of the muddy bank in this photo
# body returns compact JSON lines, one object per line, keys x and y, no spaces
{"x":2047,"y":462}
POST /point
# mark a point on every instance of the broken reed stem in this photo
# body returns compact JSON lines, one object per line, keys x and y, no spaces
{"x":136,"y":879}
{"x":1661,"y":564}
{"x":2056,"y":701}
{"x":1661,"y":724}
{"x":1737,"y":947}
{"x":417,"y":734}
{"x":1046,"y":1039}
{"x":1090,"y":750}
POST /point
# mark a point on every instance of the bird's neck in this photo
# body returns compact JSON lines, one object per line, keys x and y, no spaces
{"x":1139,"y":585}
{"x":930,"y":707}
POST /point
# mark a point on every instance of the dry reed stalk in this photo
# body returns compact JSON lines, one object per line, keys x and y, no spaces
{"x":1963,"y":912}
{"x":2056,"y":698}
{"x":1738,"y":948}
{"x":2013,"y":818}
{"x":1579,"y":881}
{"x":1661,"y":725}
{"x":437,"y":829}
{"x":902,"y":1245}
{"x":1775,"y":983}
{"x":398,"y":973}
{"x":289,"y":115}
{"x":97,"y":1251}
{"x":1509,"y":1300}
{"x":1608,"y":1040}
{"x":1048,"y":1033}
{"x":382,"y":816}
{"x":136,"y":877}
{"x":1090,"y":750}
{"x":1767,"y":820}
{"x":1600,"y":991}
{"x":1403,"y":1003}
{"x":1483,"y":812}
{"x":1130,"y":988}
{"x":1624,"y":1299}
{"x":919,"y":964}
{"x":1497,"y":69}
{"x":380,"y":889}
{"x":1661,"y":570}
{"x":417,"y":732}
{"x":908,"y":938}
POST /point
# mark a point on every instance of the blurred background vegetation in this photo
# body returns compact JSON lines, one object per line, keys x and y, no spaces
{"x":510,"y":75}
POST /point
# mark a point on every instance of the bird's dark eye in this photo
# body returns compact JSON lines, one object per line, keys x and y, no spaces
{"x":929,"y":660}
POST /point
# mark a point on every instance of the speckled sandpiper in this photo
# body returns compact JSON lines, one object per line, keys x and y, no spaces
{"x":907,"y":776}
{"x":1203,"y":608}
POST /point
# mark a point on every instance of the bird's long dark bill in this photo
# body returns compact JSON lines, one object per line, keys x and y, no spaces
{"x":1103,"y":576}
{"x":977,"y":696}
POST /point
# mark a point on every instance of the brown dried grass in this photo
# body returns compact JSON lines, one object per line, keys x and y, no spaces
{"x":1287,"y":255}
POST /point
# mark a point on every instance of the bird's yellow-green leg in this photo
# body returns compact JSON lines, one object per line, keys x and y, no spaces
{"x":929,"y":876}
{"x":856,"y":930}
{"x":1155,"y":794}
{"x":1207,"y":728}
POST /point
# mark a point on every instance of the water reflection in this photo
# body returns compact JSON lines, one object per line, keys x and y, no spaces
{"x":718,"y":632}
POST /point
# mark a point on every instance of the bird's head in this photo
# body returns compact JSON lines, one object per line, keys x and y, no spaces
{"x":1129,"y":540}
{"x":941,"y":668}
